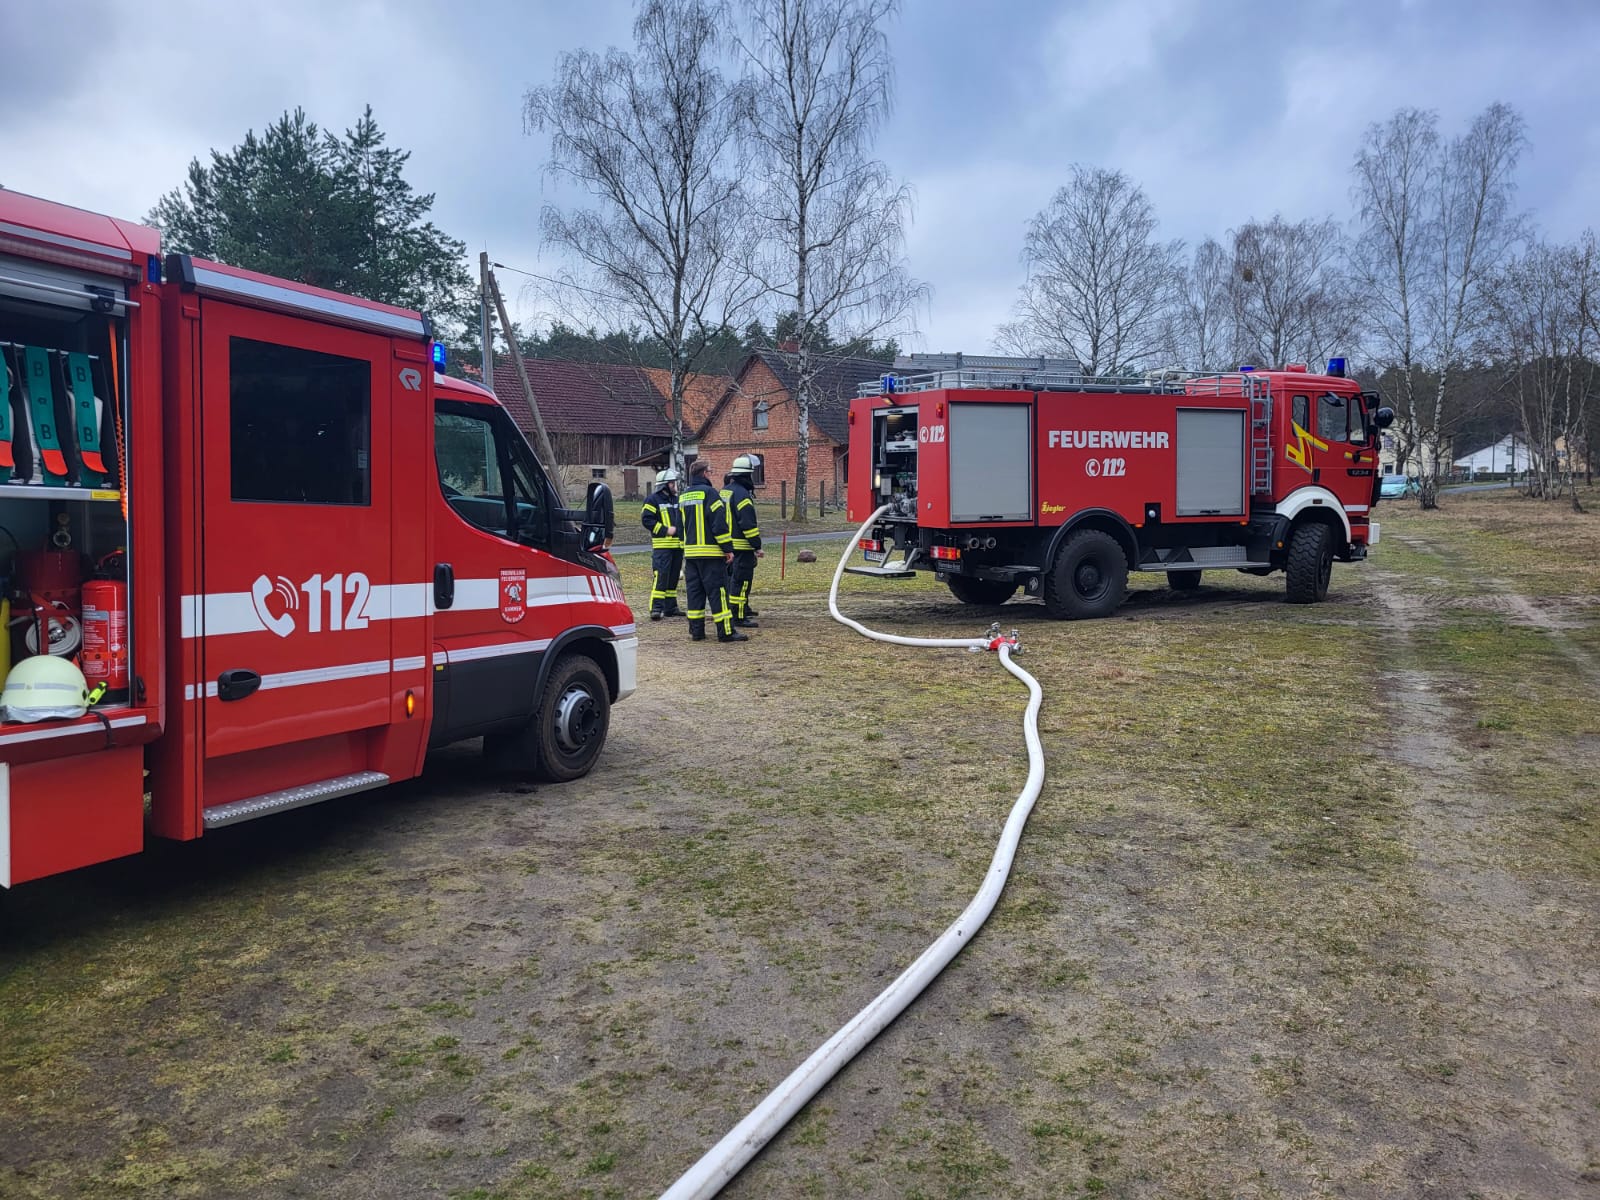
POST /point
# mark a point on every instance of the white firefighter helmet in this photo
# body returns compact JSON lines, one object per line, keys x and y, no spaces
{"x":667,"y":476}
{"x":745,"y":464}
{"x":44,"y":688}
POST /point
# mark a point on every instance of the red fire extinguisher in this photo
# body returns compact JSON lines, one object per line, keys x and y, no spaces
{"x":105,"y":634}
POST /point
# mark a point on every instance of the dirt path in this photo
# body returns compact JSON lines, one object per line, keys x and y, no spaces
{"x":1512,"y":992}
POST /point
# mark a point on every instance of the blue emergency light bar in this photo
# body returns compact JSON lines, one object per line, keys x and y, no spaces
{"x":438,"y":356}
{"x":1336,"y":368}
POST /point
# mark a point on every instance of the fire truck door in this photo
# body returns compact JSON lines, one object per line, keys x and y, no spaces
{"x":1347,"y":465}
{"x":296,"y":534}
{"x":492,"y":530}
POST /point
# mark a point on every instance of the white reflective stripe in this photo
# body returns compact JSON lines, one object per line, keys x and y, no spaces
{"x":5,"y":824}
{"x":228,"y":612}
{"x":440,"y":658}
{"x":220,"y":283}
{"x":498,"y":650}
{"x":320,"y":675}
{"x":411,"y":664}
{"x":1357,"y":507}
{"x":39,"y":735}
{"x":188,"y":691}
{"x":224,"y":613}
{"x":398,"y":601}
{"x":624,"y":630}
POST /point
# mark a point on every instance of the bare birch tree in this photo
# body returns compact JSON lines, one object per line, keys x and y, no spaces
{"x":818,"y":83}
{"x":1475,"y":233}
{"x":652,"y":136}
{"x":1198,"y":319}
{"x":1291,"y":295}
{"x":1395,"y":172}
{"x":1543,"y":306}
{"x":1098,"y":281}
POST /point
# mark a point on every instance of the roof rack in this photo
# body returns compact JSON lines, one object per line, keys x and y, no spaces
{"x":929,"y":372}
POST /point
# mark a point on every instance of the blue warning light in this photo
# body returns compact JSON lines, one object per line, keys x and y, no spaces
{"x":438,"y":356}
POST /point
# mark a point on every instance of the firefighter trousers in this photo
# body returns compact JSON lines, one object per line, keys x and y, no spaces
{"x":665,"y":566}
{"x":740,"y":577}
{"x":707,"y":582}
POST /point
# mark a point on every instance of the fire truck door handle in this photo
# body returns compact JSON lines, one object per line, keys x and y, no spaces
{"x":444,"y":585}
{"x":237,"y":684}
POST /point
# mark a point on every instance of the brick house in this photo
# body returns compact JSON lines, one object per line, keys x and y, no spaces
{"x":700,"y":396}
{"x":759,"y":414}
{"x":602,"y":419}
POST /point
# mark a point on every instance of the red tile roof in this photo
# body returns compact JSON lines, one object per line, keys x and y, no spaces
{"x":575,"y":397}
{"x":700,"y":396}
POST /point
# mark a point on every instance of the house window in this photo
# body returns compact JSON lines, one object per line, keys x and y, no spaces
{"x":761,"y":414}
{"x":597,"y":472}
{"x":758,"y":477}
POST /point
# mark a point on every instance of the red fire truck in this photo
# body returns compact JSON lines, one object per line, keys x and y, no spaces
{"x":296,"y":556}
{"x":999,"y":474}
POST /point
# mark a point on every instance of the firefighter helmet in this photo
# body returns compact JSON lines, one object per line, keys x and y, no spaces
{"x":745,"y":464}
{"x":667,"y":476}
{"x":44,"y":688}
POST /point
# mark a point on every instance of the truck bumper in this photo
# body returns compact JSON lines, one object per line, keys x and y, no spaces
{"x":627,"y":666}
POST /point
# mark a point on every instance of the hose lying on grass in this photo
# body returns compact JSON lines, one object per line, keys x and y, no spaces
{"x":729,"y":1156}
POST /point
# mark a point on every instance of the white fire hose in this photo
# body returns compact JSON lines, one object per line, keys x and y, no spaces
{"x":745,"y":1140}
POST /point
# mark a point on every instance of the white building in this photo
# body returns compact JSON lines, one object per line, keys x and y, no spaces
{"x":1508,"y":455}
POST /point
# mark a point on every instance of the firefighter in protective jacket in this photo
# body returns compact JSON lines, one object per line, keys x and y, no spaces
{"x":662,"y":522}
{"x":739,"y":496}
{"x":707,"y":549}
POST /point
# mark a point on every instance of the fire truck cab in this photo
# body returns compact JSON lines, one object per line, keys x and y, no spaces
{"x":313,"y":558}
{"x":1007,"y":474}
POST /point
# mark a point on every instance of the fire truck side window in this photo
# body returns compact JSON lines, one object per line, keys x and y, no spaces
{"x":1334,"y":419}
{"x":478,"y":455}
{"x":1300,"y":412}
{"x":301,"y":424}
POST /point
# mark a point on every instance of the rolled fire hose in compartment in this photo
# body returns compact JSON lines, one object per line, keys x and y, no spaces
{"x":742,"y":1143}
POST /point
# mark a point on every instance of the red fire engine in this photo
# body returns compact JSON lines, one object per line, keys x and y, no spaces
{"x":999,"y":474}
{"x":295,"y":557}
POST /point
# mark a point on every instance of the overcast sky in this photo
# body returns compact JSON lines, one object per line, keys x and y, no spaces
{"x":1223,"y":110}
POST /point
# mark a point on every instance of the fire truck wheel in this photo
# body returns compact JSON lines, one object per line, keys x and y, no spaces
{"x":568,"y":729}
{"x":981,"y":591}
{"x":1089,"y":578}
{"x":1310,"y":563}
{"x":1183,"y":581}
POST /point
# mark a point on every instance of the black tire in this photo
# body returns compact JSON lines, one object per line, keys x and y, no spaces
{"x":1310,"y":564}
{"x":980,"y":591}
{"x":1183,"y":581}
{"x":1089,"y":577}
{"x":568,"y":729}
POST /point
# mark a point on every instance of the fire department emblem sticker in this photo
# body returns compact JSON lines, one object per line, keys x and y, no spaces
{"x":513,"y":594}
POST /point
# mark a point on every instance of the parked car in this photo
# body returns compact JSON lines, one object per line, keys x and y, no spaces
{"x":1395,"y":487}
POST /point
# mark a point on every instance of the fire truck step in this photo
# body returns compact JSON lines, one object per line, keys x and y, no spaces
{"x":1202,"y":565}
{"x":894,"y":572}
{"x":295,"y":797}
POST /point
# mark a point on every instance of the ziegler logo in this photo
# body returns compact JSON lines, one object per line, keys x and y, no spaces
{"x":354,"y":585}
{"x":1047,"y":507}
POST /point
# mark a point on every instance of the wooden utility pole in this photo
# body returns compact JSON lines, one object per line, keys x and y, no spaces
{"x":546,"y":451}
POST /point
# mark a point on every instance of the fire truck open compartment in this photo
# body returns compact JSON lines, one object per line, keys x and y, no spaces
{"x":62,"y":344}
{"x":65,"y":801}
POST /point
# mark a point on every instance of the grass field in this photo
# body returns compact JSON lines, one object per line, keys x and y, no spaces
{"x":1306,"y":908}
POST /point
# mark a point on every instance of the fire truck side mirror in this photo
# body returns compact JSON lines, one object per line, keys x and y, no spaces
{"x":1383,"y":418}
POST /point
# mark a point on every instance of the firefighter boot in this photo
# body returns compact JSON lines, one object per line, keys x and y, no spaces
{"x":732,"y":636}
{"x":697,"y":630}
{"x":746,"y":623}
